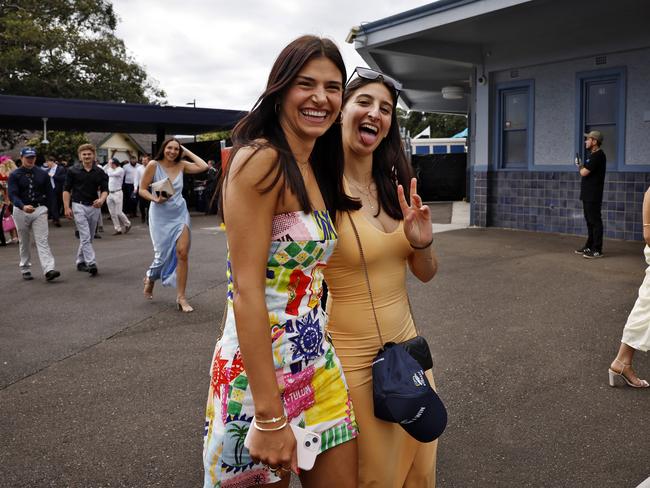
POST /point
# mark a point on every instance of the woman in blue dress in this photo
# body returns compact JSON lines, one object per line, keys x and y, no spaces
{"x":169,"y":220}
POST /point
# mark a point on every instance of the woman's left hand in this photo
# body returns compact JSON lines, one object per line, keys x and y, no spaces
{"x":417,"y":217}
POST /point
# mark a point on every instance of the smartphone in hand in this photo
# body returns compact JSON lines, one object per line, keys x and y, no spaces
{"x":578,"y":160}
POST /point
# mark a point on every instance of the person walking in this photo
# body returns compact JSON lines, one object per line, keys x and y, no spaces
{"x":143,"y":203}
{"x":30,"y":191}
{"x":57,"y":179}
{"x":115,"y":173}
{"x":592,"y":182}
{"x":169,"y":219}
{"x":130,"y":170}
{"x":7,"y":166}
{"x":83,"y":184}
{"x":273,"y":369}
{"x":636,"y":333}
{"x":394,"y":228}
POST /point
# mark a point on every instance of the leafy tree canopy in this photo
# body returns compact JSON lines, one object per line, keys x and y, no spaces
{"x":214,"y":136}
{"x":442,"y":125}
{"x":63,"y":145}
{"x":68,"y":49}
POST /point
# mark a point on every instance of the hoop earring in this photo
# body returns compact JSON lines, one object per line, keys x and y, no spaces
{"x":276,"y":107}
{"x":339,"y":119}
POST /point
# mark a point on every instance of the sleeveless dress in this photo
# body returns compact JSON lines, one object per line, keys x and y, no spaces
{"x":388,"y":456}
{"x":310,"y":378}
{"x":166,"y":223}
{"x":636,"y":333}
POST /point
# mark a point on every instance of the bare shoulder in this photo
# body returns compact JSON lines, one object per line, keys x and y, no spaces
{"x":253,"y":164}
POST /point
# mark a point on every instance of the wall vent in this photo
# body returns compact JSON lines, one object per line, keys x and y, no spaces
{"x":514,"y":73}
{"x":601,"y":60}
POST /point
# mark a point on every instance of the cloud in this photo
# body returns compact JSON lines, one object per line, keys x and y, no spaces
{"x":220,"y":52}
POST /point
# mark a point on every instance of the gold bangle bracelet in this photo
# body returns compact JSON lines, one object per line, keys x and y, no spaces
{"x":271,"y":420}
{"x":270,"y":429}
{"x":646,"y":225}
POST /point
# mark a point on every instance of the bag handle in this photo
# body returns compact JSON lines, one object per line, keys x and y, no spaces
{"x":365,"y":272}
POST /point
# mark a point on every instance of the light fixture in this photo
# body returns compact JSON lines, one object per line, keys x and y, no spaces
{"x":44,"y":141}
{"x":452,"y":92}
{"x":352,"y":35}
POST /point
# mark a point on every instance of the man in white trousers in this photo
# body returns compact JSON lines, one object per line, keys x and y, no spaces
{"x":30,"y":191}
{"x":115,"y":196}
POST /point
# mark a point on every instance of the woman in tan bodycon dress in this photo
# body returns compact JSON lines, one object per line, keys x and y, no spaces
{"x":394,"y":234}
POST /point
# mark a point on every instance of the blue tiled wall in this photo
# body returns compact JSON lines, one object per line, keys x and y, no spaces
{"x":549,"y":202}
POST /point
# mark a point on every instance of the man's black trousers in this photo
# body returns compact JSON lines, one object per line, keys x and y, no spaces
{"x":594,"y":225}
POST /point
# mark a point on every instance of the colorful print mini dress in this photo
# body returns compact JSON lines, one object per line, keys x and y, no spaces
{"x":313,"y":389}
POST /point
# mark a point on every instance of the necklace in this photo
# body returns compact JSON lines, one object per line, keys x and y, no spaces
{"x":365,"y":190}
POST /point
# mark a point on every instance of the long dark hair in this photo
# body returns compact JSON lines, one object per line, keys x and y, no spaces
{"x":260,"y":129}
{"x":160,"y":155}
{"x":389,"y":164}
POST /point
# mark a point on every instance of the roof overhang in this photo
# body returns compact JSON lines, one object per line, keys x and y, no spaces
{"x":20,"y":112}
{"x":443,"y":43}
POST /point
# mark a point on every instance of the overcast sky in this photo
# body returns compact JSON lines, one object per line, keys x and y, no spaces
{"x":220,"y":52}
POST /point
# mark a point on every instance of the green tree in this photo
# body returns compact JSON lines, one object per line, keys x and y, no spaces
{"x":68,"y":49}
{"x":63,"y":145}
{"x":214,"y":136}
{"x":442,"y":125}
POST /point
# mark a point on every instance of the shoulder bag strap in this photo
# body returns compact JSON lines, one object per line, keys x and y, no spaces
{"x":365,"y":272}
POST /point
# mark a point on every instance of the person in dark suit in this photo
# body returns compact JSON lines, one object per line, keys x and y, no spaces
{"x":57,"y":179}
{"x":592,"y":181}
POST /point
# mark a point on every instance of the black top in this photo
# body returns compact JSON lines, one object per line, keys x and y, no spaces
{"x":29,"y":187}
{"x":85,"y":185}
{"x":591,"y":186}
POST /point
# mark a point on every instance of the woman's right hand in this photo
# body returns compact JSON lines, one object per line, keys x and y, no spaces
{"x":275,"y":449}
{"x":159,"y":199}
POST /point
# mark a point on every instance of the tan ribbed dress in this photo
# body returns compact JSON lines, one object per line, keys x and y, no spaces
{"x":388,"y":456}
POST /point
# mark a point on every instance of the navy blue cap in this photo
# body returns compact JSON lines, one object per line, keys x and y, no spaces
{"x":27,"y":152}
{"x":402,"y":394}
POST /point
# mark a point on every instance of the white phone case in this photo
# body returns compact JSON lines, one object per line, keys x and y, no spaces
{"x":308,"y":445}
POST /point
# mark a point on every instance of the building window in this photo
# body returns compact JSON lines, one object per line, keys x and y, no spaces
{"x":514,"y":125}
{"x":602,"y":107}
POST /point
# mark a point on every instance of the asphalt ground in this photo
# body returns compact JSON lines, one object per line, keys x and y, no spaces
{"x":100,"y":388}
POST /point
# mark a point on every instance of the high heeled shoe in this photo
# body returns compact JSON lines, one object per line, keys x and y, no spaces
{"x":619,"y":378}
{"x":148,"y":288}
{"x":183,"y":305}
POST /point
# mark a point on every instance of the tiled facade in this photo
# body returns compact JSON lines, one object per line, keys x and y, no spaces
{"x":549,"y":202}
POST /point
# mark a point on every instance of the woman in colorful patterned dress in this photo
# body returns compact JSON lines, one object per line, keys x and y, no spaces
{"x":273,"y":365}
{"x":395,"y":232}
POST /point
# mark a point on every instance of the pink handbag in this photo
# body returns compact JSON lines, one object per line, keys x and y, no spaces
{"x":8,"y":223}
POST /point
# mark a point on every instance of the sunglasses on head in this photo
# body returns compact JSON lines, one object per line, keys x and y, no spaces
{"x":371,"y":74}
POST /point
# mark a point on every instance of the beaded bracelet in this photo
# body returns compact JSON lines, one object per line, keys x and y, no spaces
{"x":271,"y":429}
{"x":423,"y":247}
{"x":271,"y":420}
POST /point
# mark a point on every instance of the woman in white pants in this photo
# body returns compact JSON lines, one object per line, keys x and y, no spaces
{"x":636,"y":334}
{"x":115,"y":196}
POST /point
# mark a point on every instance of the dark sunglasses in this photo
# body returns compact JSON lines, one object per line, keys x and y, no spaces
{"x":371,"y":74}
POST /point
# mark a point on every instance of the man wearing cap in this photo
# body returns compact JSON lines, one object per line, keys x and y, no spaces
{"x":30,"y":191}
{"x":115,"y":178}
{"x":592,"y":181}
{"x":82,"y":184}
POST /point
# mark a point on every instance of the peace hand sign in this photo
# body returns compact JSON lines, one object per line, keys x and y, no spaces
{"x":417,"y":218}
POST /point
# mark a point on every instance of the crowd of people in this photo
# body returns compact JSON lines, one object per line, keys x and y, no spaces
{"x":317,"y":189}
{"x":29,"y":194}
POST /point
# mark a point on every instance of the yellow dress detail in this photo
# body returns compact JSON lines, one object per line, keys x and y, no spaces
{"x":388,"y":456}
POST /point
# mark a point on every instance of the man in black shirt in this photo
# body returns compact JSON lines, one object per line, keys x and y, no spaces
{"x":30,"y":190}
{"x":592,"y":174}
{"x":82,"y":186}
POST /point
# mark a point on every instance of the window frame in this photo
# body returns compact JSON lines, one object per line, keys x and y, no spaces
{"x":615,"y":162}
{"x":500,"y":90}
